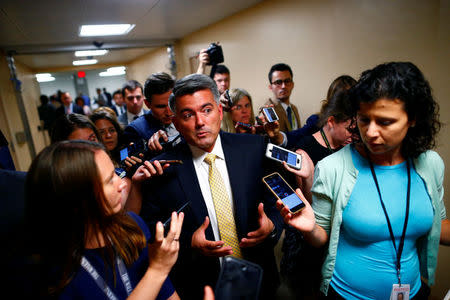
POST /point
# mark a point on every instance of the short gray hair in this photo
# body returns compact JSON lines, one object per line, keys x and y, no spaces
{"x":190,"y":84}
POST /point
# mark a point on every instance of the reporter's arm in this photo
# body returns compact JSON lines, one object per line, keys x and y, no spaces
{"x":163,"y":253}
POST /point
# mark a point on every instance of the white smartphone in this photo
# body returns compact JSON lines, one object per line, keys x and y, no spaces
{"x":270,"y":114}
{"x":277,"y":153}
{"x":282,"y":190}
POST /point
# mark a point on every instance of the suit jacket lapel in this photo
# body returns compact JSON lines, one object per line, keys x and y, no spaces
{"x":282,"y":116}
{"x":189,"y":184}
{"x":297,"y":116}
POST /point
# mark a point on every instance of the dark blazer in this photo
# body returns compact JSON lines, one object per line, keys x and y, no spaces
{"x":294,"y":137}
{"x":246,"y":164}
{"x":141,"y":128}
{"x":75,"y":109}
{"x":123,"y":118}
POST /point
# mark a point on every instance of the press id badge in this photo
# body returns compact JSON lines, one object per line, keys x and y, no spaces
{"x":400,"y":292}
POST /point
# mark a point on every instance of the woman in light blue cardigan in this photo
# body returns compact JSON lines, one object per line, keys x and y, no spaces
{"x":379,"y":203}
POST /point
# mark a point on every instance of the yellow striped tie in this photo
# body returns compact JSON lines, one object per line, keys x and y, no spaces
{"x":222,"y":205}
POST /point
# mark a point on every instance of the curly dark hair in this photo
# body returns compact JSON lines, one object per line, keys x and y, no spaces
{"x":403,"y":81}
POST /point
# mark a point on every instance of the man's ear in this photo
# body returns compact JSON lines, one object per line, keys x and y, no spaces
{"x":220,"y":111}
{"x":270,"y":86}
{"x":147,"y":103}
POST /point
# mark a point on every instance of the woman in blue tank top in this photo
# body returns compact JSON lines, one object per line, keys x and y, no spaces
{"x":88,"y":246}
{"x":378,"y":203}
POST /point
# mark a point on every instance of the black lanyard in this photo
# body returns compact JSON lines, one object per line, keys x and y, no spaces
{"x":391,"y":233}
{"x":326,"y":141}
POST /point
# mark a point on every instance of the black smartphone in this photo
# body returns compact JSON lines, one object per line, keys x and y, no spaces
{"x":283,"y":191}
{"x":238,"y":279}
{"x":227,"y":96}
{"x":167,"y":222}
{"x":172,"y":141}
{"x":133,"y":149}
{"x":245,"y":125}
{"x":270,"y":114}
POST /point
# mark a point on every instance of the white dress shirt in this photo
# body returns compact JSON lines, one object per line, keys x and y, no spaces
{"x":202,"y":170}
{"x":130,"y":116}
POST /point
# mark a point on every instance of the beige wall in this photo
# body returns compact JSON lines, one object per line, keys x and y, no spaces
{"x":321,"y":40}
{"x":10,"y":118}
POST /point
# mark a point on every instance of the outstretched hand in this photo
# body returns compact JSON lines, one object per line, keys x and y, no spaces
{"x":163,"y":252}
{"x":265,"y":228}
{"x":147,"y":170}
{"x":207,"y":247}
{"x":304,"y":220}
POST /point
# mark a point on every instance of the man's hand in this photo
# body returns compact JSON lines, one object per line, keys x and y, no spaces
{"x":271,"y":128}
{"x":203,"y":59}
{"x":225,"y":103}
{"x":206,"y":247}
{"x":154,"y":144}
{"x":265,"y":228}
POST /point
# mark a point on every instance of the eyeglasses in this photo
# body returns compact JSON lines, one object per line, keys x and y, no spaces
{"x":110,"y":130}
{"x":279,"y":82}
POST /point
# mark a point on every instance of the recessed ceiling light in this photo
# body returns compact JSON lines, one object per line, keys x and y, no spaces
{"x":108,"y":29}
{"x":84,"y":62}
{"x":114,"y":71}
{"x":91,"y":52}
{"x":44,"y":77}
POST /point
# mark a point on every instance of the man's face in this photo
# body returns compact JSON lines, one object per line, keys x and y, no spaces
{"x":281,"y":85}
{"x":198,"y":118}
{"x":160,"y":108}
{"x":118,"y":99}
{"x":134,"y":100}
{"x":222,"y":81}
{"x":66,"y":99}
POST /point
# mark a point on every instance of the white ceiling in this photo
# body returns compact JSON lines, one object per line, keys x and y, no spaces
{"x":44,"y":33}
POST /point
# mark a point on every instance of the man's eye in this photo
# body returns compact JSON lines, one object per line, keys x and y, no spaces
{"x":187,"y":116}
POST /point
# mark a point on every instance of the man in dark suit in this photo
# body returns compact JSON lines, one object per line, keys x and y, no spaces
{"x":158,"y":122}
{"x":68,"y":106}
{"x":119,"y":107}
{"x":133,"y":94}
{"x":254,"y":223}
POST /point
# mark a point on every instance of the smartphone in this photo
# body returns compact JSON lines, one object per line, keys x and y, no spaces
{"x":172,"y":141}
{"x":270,"y":114}
{"x":238,"y":279}
{"x":280,"y":154}
{"x":227,"y":96}
{"x":133,"y":149}
{"x":245,"y":125}
{"x":166,"y":224}
{"x":283,"y":191}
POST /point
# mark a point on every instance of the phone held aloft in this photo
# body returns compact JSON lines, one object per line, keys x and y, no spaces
{"x":280,"y":154}
{"x":270,"y":114}
{"x":283,"y":191}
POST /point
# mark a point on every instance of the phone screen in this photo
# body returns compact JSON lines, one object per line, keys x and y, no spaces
{"x":284,"y":192}
{"x":283,"y":155}
{"x":270,"y":114}
{"x":123,"y":153}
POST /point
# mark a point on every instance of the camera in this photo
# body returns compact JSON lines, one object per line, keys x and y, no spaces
{"x":215,"y":54}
